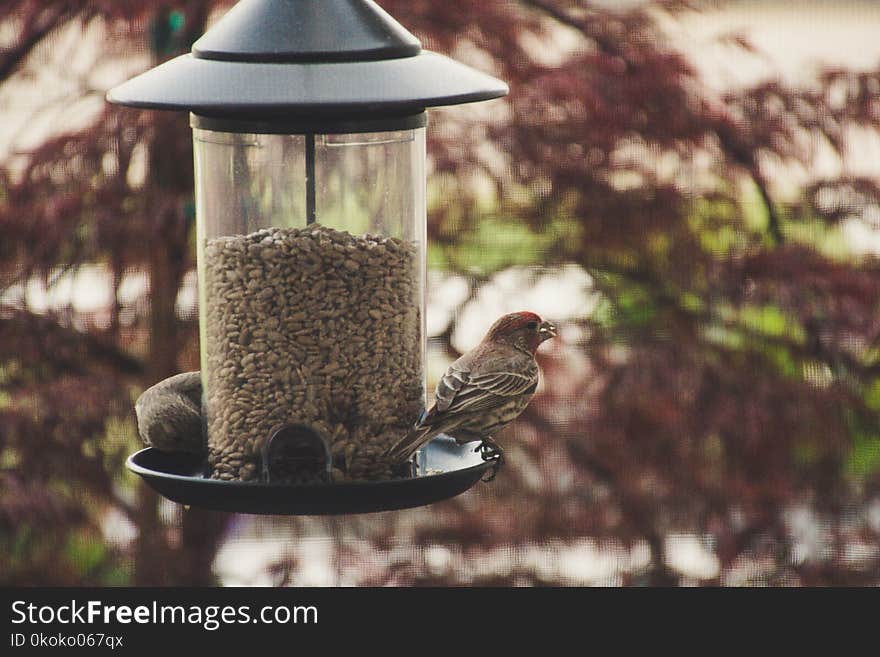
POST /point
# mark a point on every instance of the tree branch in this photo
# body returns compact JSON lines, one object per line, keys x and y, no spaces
{"x":774,"y":227}
{"x":57,"y":15}
{"x":568,"y":20}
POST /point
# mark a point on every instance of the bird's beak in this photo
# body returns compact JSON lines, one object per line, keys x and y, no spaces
{"x":547,"y":330}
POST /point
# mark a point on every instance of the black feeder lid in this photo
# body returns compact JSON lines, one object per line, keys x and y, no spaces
{"x":275,"y":59}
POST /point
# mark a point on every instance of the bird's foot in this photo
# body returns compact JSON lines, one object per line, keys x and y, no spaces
{"x":491,"y":451}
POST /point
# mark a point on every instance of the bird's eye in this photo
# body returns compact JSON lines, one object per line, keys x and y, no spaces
{"x":532,"y":326}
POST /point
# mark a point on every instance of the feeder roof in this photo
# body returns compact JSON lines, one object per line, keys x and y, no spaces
{"x":276,"y":58}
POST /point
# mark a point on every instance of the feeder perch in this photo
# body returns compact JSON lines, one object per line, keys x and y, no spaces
{"x":308,"y":121}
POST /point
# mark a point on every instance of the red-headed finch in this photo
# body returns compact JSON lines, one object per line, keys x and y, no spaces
{"x":485,"y":389}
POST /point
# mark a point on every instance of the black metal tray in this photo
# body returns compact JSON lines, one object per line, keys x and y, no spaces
{"x":444,"y":469}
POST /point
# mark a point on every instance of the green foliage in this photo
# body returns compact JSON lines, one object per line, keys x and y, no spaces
{"x":498,"y":241}
{"x":624,"y":306}
{"x":720,"y":225}
{"x":864,"y":457}
{"x":772,"y":322}
{"x":42,"y":555}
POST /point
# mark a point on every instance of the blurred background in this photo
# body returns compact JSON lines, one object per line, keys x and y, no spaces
{"x":691,"y":190}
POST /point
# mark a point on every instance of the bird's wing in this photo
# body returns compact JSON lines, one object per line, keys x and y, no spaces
{"x":461,"y":390}
{"x":455,"y":378}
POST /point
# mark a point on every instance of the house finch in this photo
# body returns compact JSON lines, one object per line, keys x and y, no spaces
{"x":485,"y":389}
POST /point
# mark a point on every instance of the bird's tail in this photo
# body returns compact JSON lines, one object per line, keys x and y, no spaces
{"x":414,"y":438}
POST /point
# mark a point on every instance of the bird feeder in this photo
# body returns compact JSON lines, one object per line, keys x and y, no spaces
{"x":308,"y":121}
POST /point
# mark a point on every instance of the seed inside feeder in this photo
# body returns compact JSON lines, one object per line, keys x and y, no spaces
{"x":316,"y":327}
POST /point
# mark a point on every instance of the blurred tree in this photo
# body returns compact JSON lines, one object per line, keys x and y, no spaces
{"x":735,"y":351}
{"x":67,"y":382}
{"x":732,"y":361}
